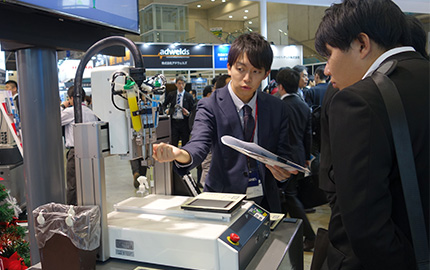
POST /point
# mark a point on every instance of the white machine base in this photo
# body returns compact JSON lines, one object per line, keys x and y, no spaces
{"x":154,"y":229}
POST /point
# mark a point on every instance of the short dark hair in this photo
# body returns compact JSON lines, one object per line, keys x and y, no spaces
{"x":207,"y":90}
{"x":71,"y":92}
{"x":221,"y":81}
{"x":418,"y":35}
{"x":320,"y":72}
{"x":289,"y":79}
{"x":300,"y":68}
{"x":256,"y":48}
{"x":381,"y":20}
{"x":12,"y":82}
{"x":214,"y":79}
{"x":180,"y":78}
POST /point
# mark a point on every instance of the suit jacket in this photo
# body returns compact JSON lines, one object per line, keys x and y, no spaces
{"x":300,"y":126}
{"x":369,"y":227}
{"x":170,"y":102}
{"x":315,"y":95}
{"x":16,"y":102}
{"x":217,"y":116}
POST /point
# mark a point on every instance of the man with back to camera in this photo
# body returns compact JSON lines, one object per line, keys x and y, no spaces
{"x":249,"y":62}
{"x":179,"y":104}
{"x":300,"y":141}
{"x":315,"y":95}
{"x":68,"y":120}
{"x":369,"y":226}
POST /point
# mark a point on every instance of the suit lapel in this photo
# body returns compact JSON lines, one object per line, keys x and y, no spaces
{"x":262,"y":118}
{"x":229,"y":111}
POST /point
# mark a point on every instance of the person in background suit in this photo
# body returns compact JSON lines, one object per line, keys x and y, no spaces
{"x":418,"y":36}
{"x":304,"y":80}
{"x":300,"y":133}
{"x":68,"y":121}
{"x":12,"y":86}
{"x":369,"y":226}
{"x":179,"y":110}
{"x":249,"y":61}
{"x":222,"y":81}
{"x":315,"y":95}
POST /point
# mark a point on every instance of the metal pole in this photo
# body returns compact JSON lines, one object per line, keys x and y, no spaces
{"x":263,"y":29}
{"x":41,"y":128}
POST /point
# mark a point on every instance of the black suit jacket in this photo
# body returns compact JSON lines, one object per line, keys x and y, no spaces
{"x":369,"y":227}
{"x":300,"y":128}
{"x":217,"y":116}
{"x":170,"y":102}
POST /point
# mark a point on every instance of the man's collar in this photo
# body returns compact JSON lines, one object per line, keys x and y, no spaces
{"x":238,"y":102}
{"x":384,"y":56}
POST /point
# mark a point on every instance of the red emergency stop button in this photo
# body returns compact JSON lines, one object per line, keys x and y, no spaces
{"x":234,"y":238}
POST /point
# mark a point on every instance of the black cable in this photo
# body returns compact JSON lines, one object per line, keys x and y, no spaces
{"x":97,"y":47}
{"x":113,"y":102}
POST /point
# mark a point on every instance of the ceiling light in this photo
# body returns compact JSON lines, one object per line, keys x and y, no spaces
{"x":246,"y":11}
{"x":245,"y":17}
{"x":223,"y":1}
{"x":213,"y":0}
{"x":250,"y":22}
{"x":199,"y":6}
{"x":230,"y":16}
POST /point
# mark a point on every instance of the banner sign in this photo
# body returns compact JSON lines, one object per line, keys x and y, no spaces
{"x":217,"y":31}
{"x":176,"y":57}
{"x":287,"y":56}
{"x":158,"y":56}
{"x":221,"y":56}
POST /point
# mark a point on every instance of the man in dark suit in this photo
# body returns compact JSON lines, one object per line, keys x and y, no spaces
{"x":299,"y":137}
{"x":12,"y":86}
{"x":179,"y":104}
{"x":249,"y":62}
{"x":315,"y":95}
{"x":369,"y":226}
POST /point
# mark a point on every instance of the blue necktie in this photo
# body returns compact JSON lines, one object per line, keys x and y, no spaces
{"x":178,"y":102}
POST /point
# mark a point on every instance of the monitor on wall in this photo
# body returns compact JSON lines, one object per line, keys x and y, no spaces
{"x":65,"y":24}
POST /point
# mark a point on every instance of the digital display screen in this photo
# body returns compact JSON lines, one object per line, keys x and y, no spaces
{"x":123,"y":14}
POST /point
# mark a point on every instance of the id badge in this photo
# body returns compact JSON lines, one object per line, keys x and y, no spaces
{"x":255,"y":188}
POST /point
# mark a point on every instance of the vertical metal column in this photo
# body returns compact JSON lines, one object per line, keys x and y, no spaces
{"x":263,"y":29}
{"x":90,"y":140}
{"x":41,"y":128}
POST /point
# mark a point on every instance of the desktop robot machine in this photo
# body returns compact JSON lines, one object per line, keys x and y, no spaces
{"x":209,"y":231}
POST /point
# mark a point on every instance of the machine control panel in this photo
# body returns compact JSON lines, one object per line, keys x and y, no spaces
{"x":248,"y":233}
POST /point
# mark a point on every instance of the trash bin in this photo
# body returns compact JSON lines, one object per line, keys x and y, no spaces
{"x":67,"y":236}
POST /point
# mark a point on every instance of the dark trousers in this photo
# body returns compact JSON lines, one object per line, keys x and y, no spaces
{"x":137,"y":167}
{"x":180,"y":131}
{"x":71,"y":177}
{"x":294,"y":206}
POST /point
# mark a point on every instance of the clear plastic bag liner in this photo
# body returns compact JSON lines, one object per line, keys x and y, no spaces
{"x":84,"y":233}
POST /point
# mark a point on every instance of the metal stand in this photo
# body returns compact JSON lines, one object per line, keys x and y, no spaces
{"x":91,"y":146}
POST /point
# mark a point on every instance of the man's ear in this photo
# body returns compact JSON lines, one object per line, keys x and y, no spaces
{"x":365,"y":44}
{"x":280,"y":88}
{"x":229,"y":69}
